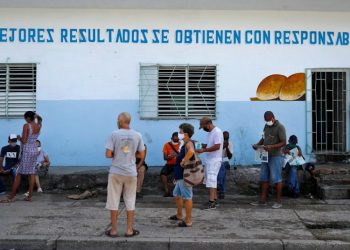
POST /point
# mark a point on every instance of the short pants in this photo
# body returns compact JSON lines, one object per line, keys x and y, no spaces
{"x":118,"y":184}
{"x":272,"y":170}
{"x":211,"y":171}
{"x":182,"y":190}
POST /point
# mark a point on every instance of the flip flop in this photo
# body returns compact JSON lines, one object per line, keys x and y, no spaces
{"x":28,"y":199}
{"x":108,"y":233}
{"x":134,"y":233}
{"x":8,"y":200}
{"x":183,"y":224}
{"x":174,"y":217}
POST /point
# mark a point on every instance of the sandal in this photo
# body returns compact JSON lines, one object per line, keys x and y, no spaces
{"x":174,"y":217}
{"x":28,"y":199}
{"x":108,"y":233}
{"x":8,"y":200}
{"x":183,"y":224}
{"x":134,"y":233}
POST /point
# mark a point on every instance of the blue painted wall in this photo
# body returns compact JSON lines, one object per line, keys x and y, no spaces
{"x":74,"y":132}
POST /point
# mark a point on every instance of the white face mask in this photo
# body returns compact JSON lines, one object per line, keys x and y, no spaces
{"x":175,"y":143}
{"x":269,"y":123}
{"x":39,"y":149}
{"x":181,"y":136}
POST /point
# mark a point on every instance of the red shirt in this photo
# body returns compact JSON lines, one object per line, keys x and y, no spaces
{"x":168,"y":151}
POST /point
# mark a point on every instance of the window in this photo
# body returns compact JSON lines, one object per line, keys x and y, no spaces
{"x":328,"y":102}
{"x":17,"y":89}
{"x":177,"y":91}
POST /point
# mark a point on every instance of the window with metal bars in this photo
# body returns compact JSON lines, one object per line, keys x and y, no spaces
{"x":17,"y":89}
{"x":177,"y":91}
{"x":328,"y":110}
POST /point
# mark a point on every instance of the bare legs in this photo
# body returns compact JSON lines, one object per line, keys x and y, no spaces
{"x":140,"y":177}
{"x":265,"y":189}
{"x":130,"y":221}
{"x":15,"y":186}
{"x":188,"y":207}
{"x":114,"y":220}
{"x":164,"y":180}
{"x":213,"y":194}
{"x":37,"y":181}
{"x":17,"y":183}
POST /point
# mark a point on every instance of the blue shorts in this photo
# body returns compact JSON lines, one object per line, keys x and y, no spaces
{"x":182,"y":190}
{"x":272,"y":171}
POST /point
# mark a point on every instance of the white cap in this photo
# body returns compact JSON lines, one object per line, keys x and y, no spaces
{"x":13,"y":136}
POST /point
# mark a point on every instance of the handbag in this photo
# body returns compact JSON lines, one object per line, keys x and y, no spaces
{"x":193,"y":172}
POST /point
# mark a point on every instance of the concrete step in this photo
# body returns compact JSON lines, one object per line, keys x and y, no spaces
{"x":334,"y":191}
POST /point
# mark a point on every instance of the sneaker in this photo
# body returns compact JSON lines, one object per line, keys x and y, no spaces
{"x":2,"y":192}
{"x":210,"y":206}
{"x":217,"y":203}
{"x":258,"y":203}
{"x":277,"y":205}
{"x":39,"y":190}
{"x":26,"y":194}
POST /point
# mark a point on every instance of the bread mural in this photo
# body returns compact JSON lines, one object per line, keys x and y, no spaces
{"x":280,"y":87}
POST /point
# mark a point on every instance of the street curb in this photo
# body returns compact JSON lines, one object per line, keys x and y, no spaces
{"x":36,"y":242}
{"x":315,"y":244}
{"x":27,"y":242}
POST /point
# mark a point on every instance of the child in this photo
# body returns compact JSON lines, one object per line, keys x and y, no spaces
{"x":294,"y":160}
{"x":11,"y":155}
{"x":42,"y":166}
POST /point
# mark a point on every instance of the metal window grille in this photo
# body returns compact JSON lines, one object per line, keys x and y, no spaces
{"x":17,"y":89}
{"x":329,"y":102}
{"x":177,"y":91}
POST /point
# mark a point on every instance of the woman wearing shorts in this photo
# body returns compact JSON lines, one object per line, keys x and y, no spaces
{"x":183,"y":193}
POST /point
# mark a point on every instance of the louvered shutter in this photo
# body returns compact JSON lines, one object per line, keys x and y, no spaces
{"x":17,"y":89}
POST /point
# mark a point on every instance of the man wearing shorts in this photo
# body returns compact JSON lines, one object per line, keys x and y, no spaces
{"x":274,"y":139}
{"x":213,"y":150}
{"x":122,"y":146}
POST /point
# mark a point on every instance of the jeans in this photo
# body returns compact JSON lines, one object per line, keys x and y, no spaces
{"x":272,"y":170}
{"x":292,"y":180}
{"x":222,"y":176}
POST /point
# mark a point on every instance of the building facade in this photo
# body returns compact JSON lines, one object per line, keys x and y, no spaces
{"x":80,"y":67}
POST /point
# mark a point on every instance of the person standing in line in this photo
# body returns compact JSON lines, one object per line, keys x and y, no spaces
{"x":27,"y":162}
{"x":122,"y":146}
{"x":227,"y":154}
{"x":274,"y":139}
{"x":213,"y":150}
{"x":182,"y":192}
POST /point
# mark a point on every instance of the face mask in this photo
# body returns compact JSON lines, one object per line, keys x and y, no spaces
{"x":39,"y":149}
{"x":174,"y":142}
{"x":13,"y":144}
{"x":181,"y":136}
{"x":269,"y":123}
{"x":206,"y":129}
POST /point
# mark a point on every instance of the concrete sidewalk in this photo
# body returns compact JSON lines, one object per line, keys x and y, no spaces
{"x":53,"y":222}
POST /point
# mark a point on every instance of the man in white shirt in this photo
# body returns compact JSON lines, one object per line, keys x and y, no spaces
{"x":213,"y":150}
{"x":227,"y":154}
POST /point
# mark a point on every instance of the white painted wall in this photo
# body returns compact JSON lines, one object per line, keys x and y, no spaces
{"x":111,"y":71}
